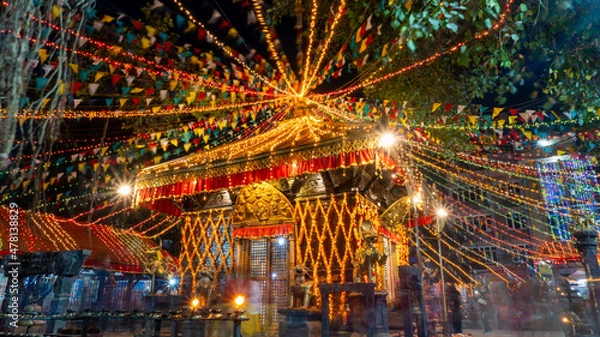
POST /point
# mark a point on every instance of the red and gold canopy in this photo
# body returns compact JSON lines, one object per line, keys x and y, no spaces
{"x":297,"y":146}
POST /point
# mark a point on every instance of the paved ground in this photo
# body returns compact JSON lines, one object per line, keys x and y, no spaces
{"x":501,"y":333}
{"x":479,"y":333}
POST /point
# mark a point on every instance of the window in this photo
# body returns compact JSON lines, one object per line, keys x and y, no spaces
{"x":470,"y":193}
{"x":488,"y":254}
{"x":516,"y":220}
{"x":515,"y":191}
{"x":512,"y":189}
{"x":477,"y":223}
{"x":520,"y":254}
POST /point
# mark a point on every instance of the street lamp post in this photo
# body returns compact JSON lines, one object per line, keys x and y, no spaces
{"x":441,"y":215}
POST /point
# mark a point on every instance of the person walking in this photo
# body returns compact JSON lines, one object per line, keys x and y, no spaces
{"x":454,"y":309}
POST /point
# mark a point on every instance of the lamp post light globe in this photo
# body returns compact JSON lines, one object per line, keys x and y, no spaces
{"x":124,"y":190}
{"x":387,"y":140}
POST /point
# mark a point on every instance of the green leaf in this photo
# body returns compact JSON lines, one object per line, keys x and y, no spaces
{"x":488,"y":23}
{"x":452,"y":26}
{"x":411,"y":45}
{"x":515,"y":37}
{"x":523,"y":8}
{"x":435,"y":23}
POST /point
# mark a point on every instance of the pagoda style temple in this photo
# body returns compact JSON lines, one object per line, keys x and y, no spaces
{"x":299,"y":194}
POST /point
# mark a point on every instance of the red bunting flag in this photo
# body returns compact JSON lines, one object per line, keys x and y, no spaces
{"x":77,"y":86}
{"x":115,"y":79}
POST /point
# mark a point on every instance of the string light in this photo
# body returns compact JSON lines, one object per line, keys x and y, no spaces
{"x":481,"y":255}
{"x":152,"y":111}
{"x":336,"y":20}
{"x":411,"y":240}
{"x":271,"y":45}
{"x":199,"y":232}
{"x":311,"y":35}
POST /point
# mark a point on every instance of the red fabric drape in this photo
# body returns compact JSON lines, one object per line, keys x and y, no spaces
{"x":262,"y":231}
{"x":152,"y":195}
{"x":422,"y":221}
{"x":387,"y":233}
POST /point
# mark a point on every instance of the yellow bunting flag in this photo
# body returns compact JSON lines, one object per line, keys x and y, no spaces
{"x":560,"y":152}
{"x":174,"y":142}
{"x":191,"y":26}
{"x":75,"y":67}
{"x":232,"y":33}
{"x":81,"y":166}
{"x":173,"y":85}
{"x":496,"y":112}
{"x":157,"y":159}
{"x":435,"y":106}
{"x":122,"y":102}
{"x":512,"y":119}
{"x":111,"y":68}
{"x":146,"y":43}
{"x":501,"y":122}
{"x":43,"y":55}
{"x":473,"y":119}
{"x":107,"y":19}
{"x":187,"y":146}
{"x":99,"y":75}
{"x":151,"y":30}
{"x":45,"y":102}
{"x":206,"y":137}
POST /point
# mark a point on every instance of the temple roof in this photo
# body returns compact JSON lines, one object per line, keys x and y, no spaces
{"x":294,"y":135}
{"x":296,"y":146}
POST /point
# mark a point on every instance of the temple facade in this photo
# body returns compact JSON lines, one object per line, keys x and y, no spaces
{"x":306,"y":193}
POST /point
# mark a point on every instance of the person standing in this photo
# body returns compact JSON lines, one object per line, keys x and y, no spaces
{"x":485,"y":302}
{"x":454,"y":309}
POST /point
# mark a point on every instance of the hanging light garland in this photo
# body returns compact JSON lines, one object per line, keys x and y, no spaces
{"x":271,"y":46}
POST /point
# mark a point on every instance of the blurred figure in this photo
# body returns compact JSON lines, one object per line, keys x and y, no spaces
{"x":485,"y":304}
{"x":454,"y":309}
